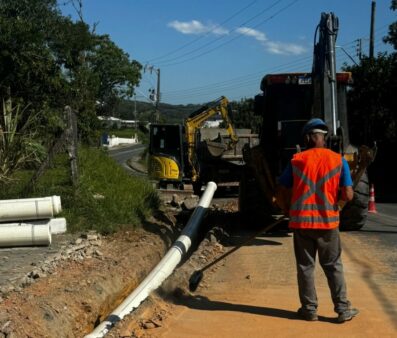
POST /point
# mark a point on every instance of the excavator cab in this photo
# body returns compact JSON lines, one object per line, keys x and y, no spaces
{"x":166,"y":154}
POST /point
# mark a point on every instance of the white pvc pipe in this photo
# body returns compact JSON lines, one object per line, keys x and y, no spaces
{"x":25,"y":235}
{"x":29,"y":208}
{"x":163,"y":269}
{"x":56,"y":225}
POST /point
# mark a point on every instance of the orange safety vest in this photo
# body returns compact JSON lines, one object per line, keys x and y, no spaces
{"x":314,"y":200}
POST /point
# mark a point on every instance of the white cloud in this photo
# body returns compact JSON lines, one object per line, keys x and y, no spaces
{"x":196,"y":27}
{"x":257,"y":35}
{"x":284,"y":48}
{"x":274,"y":47}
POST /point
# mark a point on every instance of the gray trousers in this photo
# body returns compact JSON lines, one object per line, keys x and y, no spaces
{"x":327,"y":243}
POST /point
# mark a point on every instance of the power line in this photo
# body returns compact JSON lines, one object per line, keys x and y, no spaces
{"x":206,"y":34}
{"x":254,"y":78}
{"x":243,"y":79}
{"x":167,"y":62}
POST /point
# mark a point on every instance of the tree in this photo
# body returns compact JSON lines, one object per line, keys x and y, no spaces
{"x":47,"y":61}
{"x":117,"y":74}
{"x":392,"y":37}
{"x":372,"y":100}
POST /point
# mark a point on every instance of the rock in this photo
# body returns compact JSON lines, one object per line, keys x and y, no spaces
{"x":5,"y":328}
{"x":2,"y":335}
{"x":175,"y":200}
{"x":213,"y":239}
{"x":98,"y":253}
{"x":150,"y":324}
{"x":25,"y":281}
{"x":35,"y":274}
{"x":78,"y":241}
{"x":190,"y":203}
{"x":91,"y":235}
{"x":11,"y":335}
{"x":1,"y":299}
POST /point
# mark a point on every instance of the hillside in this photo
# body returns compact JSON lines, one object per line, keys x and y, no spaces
{"x":168,"y":112}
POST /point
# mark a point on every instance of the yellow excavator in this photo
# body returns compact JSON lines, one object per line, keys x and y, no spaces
{"x":176,"y":151}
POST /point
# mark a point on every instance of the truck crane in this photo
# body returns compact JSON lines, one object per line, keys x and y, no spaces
{"x":286,"y":103}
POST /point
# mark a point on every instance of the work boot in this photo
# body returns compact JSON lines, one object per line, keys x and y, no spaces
{"x":310,"y":316}
{"x":347,"y":315}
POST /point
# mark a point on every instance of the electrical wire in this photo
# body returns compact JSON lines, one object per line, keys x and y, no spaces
{"x":206,"y":34}
{"x":168,"y":63}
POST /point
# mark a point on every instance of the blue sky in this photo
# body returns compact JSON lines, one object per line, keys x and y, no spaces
{"x":205,"y":49}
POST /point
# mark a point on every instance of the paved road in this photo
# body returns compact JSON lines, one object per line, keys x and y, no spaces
{"x":253,"y":293}
{"x":125,"y":153}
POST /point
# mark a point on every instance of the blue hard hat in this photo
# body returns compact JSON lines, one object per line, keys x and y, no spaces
{"x":315,"y":125}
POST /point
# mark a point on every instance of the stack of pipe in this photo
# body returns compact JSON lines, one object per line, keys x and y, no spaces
{"x":26,"y":222}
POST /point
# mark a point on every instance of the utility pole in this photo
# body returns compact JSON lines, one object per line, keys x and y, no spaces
{"x":135,"y":117}
{"x":359,"y":48}
{"x":372,"y":32}
{"x":155,"y":95}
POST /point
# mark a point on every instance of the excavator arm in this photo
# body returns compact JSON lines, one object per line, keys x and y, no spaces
{"x":196,"y":119}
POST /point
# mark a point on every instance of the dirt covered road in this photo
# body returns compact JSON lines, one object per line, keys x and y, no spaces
{"x":253,"y":293}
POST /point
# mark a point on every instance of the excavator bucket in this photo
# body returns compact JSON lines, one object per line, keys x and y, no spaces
{"x":216,"y":149}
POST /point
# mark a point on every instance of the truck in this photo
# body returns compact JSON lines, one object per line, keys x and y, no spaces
{"x":286,"y":102}
{"x":189,"y":154}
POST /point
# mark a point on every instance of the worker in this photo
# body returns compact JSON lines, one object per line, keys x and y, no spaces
{"x":319,"y":178}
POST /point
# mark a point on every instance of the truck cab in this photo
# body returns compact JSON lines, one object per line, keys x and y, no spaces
{"x":285,"y":105}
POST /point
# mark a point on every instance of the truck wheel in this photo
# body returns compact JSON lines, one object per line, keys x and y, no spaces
{"x":251,"y":202}
{"x":354,"y":214}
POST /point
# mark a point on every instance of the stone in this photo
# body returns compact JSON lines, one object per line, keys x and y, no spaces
{"x":175,"y":200}
{"x":78,"y":241}
{"x":190,"y":203}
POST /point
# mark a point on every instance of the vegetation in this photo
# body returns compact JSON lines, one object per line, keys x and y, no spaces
{"x":107,"y":199}
{"x":47,"y":61}
{"x":18,"y":144}
{"x":372,"y":105}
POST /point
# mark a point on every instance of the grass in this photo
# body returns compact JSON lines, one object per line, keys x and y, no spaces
{"x":107,"y":199}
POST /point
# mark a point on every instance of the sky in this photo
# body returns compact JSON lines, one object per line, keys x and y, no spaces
{"x":205,"y":49}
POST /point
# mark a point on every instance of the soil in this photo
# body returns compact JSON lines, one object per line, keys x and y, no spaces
{"x":83,"y":281}
{"x":66,"y":290}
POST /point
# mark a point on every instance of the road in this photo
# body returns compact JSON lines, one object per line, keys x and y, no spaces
{"x":124,"y":153}
{"x":253,"y":293}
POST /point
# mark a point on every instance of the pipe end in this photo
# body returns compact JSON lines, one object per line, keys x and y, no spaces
{"x":56,"y":204}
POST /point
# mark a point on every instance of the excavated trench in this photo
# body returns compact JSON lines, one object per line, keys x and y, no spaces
{"x":80,"y":293}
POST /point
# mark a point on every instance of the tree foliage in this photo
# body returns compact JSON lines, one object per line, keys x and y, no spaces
{"x":392,"y":36}
{"x":48,"y":61}
{"x":372,"y":99}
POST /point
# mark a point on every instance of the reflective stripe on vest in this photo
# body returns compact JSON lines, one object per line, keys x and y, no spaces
{"x":312,"y":208}
{"x":314,"y":188}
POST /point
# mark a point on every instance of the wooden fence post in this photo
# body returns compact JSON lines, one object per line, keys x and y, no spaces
{"x":72,"y":143}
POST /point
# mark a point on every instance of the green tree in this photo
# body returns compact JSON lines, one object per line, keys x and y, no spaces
{"x":118,"y":75}
{"x":48,"y":61}
{"x":243,"y":115}
{"x":372,"y":101}
{"x":392,"y":36}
